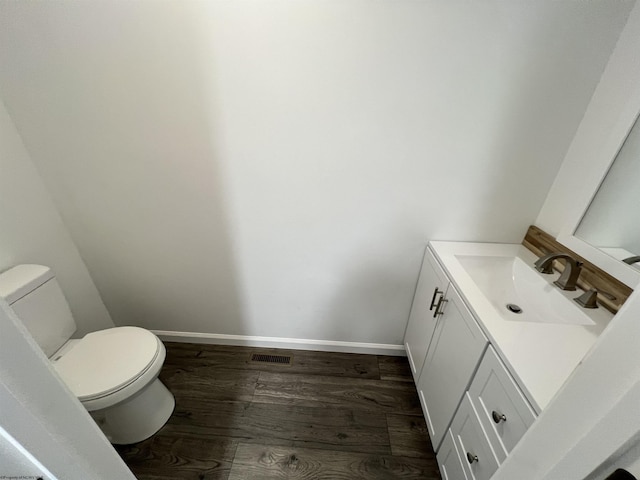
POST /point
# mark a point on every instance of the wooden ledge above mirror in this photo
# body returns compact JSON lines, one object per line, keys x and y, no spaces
{"x":541,"y":243}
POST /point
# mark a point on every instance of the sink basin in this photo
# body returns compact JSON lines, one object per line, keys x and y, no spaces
{"x":509,"y":280}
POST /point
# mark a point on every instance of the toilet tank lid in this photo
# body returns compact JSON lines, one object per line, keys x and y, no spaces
{"x":21,"y":280}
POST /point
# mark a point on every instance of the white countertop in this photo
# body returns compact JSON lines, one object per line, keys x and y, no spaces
{"x":540,"y":356}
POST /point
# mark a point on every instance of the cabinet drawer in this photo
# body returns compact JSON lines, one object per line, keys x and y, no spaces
{"x":476,"y":455}
{"x":493,"y":392}
{"x":449,"y":460}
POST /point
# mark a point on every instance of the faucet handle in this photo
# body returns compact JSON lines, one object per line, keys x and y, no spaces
{"x":588,"y":299}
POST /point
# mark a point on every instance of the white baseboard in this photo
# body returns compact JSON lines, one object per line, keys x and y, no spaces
{"x":277,"y":342}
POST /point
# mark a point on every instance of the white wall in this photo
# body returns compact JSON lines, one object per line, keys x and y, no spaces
{"x":592,"y":426}
{"x":31,"y":231}
{"x":275,"y":168}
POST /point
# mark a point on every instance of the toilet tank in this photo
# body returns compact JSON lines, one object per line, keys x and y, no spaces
{"x":33,"y":293}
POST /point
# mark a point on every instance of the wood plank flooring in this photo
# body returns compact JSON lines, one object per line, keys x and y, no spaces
{"x":324,"y":416}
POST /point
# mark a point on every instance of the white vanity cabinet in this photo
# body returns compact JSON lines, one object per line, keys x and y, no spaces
{"x":454,"y":353}
{"x":432,"y":286}
{"x":474,"y":409}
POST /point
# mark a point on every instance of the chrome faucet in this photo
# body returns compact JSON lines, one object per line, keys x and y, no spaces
{"x":569,"y":277}
{"x":632,"y":260}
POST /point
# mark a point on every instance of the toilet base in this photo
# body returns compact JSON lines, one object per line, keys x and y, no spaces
{"x":137,"y":418}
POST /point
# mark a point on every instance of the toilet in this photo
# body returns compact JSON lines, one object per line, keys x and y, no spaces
{"x":113,"y":372}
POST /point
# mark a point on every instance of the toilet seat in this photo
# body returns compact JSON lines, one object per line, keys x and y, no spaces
{"x":106,"y":362}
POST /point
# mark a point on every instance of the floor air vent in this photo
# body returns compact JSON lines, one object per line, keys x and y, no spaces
{"x":278,"y":359}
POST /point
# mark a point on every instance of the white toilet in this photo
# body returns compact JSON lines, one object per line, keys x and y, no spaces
{"x":113,"y":372}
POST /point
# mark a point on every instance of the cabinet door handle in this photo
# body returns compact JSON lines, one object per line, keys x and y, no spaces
{"x":498,"y":417}
{"x":471,"y":458}
{"x":433,"y":299}
{"x":442,"y":301}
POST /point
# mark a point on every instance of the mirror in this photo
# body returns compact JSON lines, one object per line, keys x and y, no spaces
{"x":612,"y":220}
{"x":595,"y":202}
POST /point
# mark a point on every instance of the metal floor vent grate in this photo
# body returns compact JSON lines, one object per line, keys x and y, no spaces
{"x":279,"y":359}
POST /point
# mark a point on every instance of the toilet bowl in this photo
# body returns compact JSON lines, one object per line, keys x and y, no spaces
{"x":113,"y":372}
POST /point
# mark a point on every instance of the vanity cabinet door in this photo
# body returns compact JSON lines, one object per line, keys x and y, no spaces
{"x":432,"y":285}
{"x":455,"y":351}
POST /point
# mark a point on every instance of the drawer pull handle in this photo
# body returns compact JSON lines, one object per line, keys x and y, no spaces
{"x":498,"y":417}
{"x":433,"y":299}
{"x":442,"y":301}
{"x":471,"y":458}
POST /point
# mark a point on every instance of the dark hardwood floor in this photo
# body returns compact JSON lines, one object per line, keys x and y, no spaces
{"x":326,"y":416}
